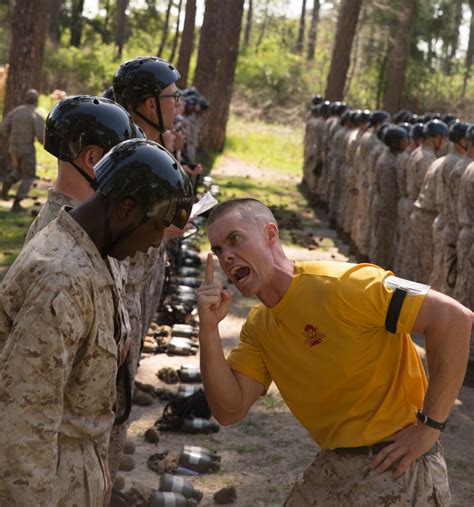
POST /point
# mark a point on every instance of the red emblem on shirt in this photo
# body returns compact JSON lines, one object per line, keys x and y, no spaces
{"x":312,"y":335}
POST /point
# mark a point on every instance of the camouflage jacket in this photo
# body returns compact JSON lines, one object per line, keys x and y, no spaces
{"x":58,"y":360}
{"x":22,"y":125}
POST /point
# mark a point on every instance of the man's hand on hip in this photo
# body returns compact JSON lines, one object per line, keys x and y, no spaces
{"x":408,"y":445}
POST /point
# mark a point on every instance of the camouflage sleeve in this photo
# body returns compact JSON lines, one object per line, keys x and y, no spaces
{"x":35,"y":365}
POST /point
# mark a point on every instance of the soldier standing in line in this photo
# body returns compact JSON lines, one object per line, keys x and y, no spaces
{"x":383,"y":212}
{"x":22,"y":125}
{"x":464,"y":288}
{"x":445,"y":227}
{"x":367,"y":144}
{"x":435,"y":136}
{"x":60,"y":338}
{"x":424,"y":208}
{"x":317,"y":190}
{"x":336,"y":167}
{"x":309,"y":163}
{"x":146,"y":88}
{"x":404,"y":207}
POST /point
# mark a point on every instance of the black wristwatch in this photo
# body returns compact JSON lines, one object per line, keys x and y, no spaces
{"x":424,"y":419}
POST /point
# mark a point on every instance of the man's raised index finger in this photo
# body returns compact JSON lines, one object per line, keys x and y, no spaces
{"x":209,"y":277}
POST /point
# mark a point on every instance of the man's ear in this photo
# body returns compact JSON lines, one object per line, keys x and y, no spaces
{"x":271,"y":230}
{"x":126,"y":208}
{"x":150,"y":104}
{"x":90,"y":156}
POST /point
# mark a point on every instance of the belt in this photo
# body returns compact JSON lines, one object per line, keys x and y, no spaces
{"x":372,"y":450}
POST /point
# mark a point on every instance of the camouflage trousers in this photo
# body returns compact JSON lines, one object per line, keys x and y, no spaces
{"x":23,"y":162}
{"x":347,"y":481}
{"x":439,"y":273}
{"x":404,"y":209}
{"x":422,"y":235}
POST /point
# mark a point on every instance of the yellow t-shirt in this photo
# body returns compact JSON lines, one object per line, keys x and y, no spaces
{"x":348,"y":380}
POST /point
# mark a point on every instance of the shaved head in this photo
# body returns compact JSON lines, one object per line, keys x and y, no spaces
{"x":247,"y":209}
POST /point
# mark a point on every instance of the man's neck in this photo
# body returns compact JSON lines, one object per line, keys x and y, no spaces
{"x":72,"y":184}
{"x":282,"y":276}
{"x":90,"y":216}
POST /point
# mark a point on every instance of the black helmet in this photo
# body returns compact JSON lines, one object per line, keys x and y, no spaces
{"x":417,"y":131}
{"x":108,"y":93}
{"x":334,"y":107}
{"x":458,"y":131}
{"x":325,"y":109}
{"x":470,"y":134}
{"x":364,"y":116}
{"x":401,"y":116}
{"x":381,"y":131}
{"x":79,"y":121}
{"x":142,"y":77}
{"x":393,"y":135}
{"x":341,"y":108}
{"x":436,"y":128}
{"x":407,"y":126}
{"x":378,"y":117}
{"x":449,"y":119}
{"x":317,"y":99}
{"x":144,"y":170}
{"x":345,"y":117}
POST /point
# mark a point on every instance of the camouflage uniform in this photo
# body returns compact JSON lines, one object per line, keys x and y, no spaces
{"x":403,"y":219}
{"x":422,"y":219}
{"x":368,"y":143}
{"x":464,"y":288}
{"x":191,"y":127}
{"x":383,"y":211}
{"x":22,"y":125}
{"x":350,"y":180}
{"x":447,"y":197}
{"x":418,"y":165}
{"x":309,"y":161}
{"x":335,"y":480}
{"x":335,"y":172}
{"x":58,"y":368}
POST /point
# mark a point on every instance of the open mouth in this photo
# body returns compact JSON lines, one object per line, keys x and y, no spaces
{"x":240,"y":274}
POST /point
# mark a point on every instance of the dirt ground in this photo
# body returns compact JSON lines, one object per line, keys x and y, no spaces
{"x":262,"y":455}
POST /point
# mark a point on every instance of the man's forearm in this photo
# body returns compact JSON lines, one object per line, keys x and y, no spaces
{"x":447,"y":353}
{"x":222,"y":389}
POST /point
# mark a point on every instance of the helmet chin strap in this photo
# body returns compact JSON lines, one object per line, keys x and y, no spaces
{"x":92,"y":181}
{"x":109,"y":244}
{"x":157,"y":126}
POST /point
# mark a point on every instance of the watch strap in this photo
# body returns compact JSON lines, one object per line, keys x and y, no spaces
{"x":424,"y":419}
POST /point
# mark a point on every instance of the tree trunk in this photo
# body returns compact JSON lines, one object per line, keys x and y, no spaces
{"x":345,"y":31}
{"x":398,"y":58}
{"x":263,"y":26}
{"x":121,"y":20}
{"x":176,"y":33}
{"x":214,"y":128}
{"x":106,"y":31}
{"x":53,"y":28}
{"x":29,"y":24}
{"x":300,"y":42}
{"x":313,"y":30}
{"x":164,"y":36}
{"x":187,"y":43}
{"x":77,"y":6}
{"x":469,"y":54}
{"x":248,"y":25}
{"x":210,"y":43}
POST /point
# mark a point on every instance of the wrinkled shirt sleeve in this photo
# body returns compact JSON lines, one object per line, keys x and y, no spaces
{"x":35,"y":365}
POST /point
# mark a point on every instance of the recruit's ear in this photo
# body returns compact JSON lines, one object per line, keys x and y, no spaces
{"x":90,"y":155}
{"x":271,"y":230}
{"x":126,"y":208}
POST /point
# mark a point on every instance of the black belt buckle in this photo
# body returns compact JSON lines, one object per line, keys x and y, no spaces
{"x":365,"y":450}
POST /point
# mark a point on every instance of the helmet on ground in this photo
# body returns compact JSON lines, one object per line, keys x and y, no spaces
{"x":142,"y":77}
{"x":436,"y":128}
{"x":31,"y":96}
{"x":145,"y":171}
{"x":417,"y":131}
{"x":458,"y":131}
{"x":378,"y":117}
{"x":393,"y":135}
{"x":82,"y":120}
